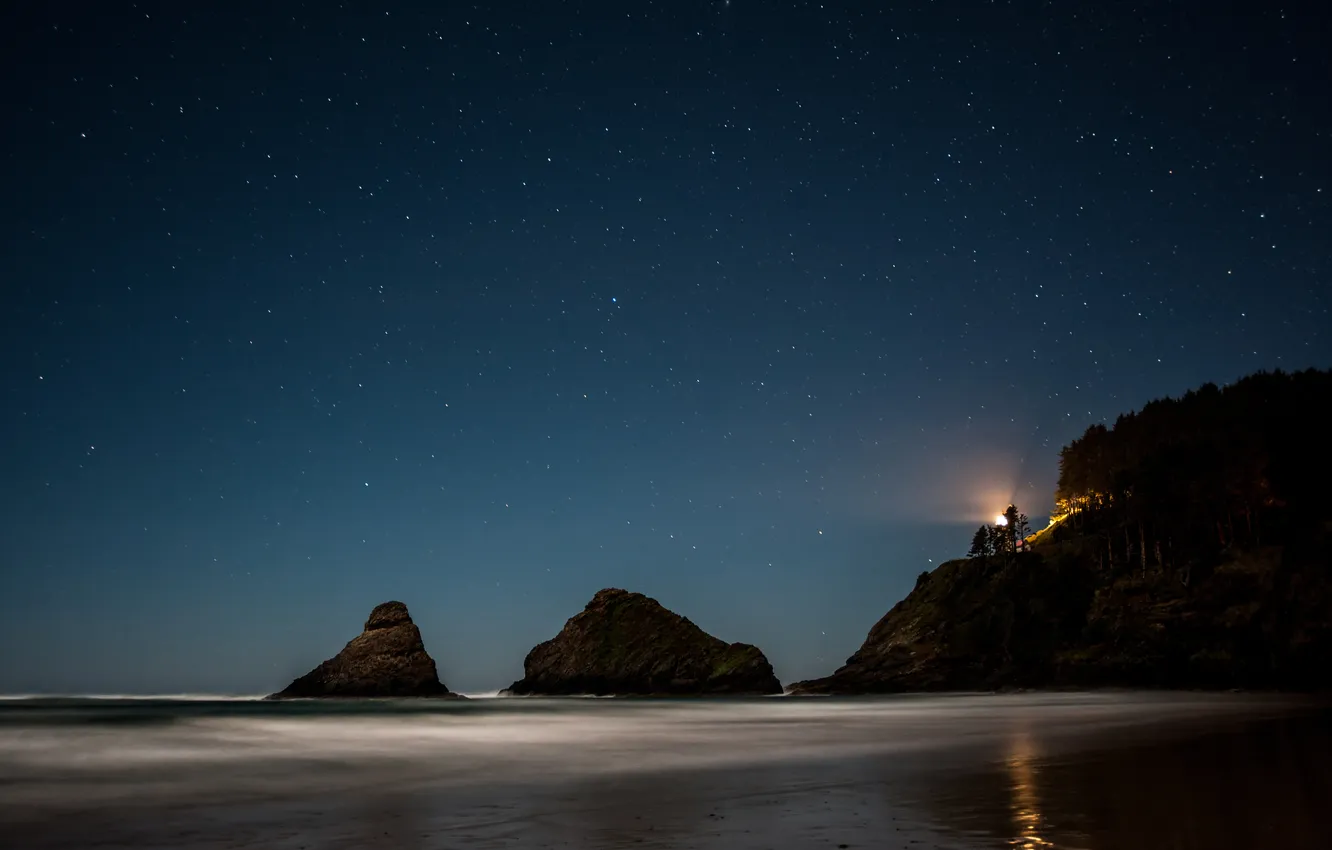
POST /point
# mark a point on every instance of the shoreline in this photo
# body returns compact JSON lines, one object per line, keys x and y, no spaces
{"x":547,"y":773}
{"x":487,"y":696}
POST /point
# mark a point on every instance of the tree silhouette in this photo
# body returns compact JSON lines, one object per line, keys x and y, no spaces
{"x":980,"y":543}
{"x":1020,"y":525}
{"x":1219,"y":467}
{"x":1010,"y":527}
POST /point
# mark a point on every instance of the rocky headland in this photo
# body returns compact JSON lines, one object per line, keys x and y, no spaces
{"x":1191,"y":548}
{"x":1259,"y":619}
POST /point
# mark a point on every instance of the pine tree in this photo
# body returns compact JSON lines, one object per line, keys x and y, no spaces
{"x":980,"y":543}
{"x":1021,"y":527}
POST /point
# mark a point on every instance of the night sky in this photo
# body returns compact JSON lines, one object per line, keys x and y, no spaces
{"x":756,"y":308}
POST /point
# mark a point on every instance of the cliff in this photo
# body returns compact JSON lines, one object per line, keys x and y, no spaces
{"x":387,"y":659}
{"x":1253,"y":619}
{"x":1191,"y":548}
{"x":626,"y":644}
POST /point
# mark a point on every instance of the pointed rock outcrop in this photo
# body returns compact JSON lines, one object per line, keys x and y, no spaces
{"x":627,"y":644}
{"x":387,"y":659}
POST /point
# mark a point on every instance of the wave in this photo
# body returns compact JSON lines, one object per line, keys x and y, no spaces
{"x":331,"y":773}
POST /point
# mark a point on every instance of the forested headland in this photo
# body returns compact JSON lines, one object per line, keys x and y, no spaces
{"x":1176,"y":484}
{"x":1191,"y":546}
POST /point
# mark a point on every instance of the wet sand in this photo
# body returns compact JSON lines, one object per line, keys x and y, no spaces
{"x":1079,"y":771}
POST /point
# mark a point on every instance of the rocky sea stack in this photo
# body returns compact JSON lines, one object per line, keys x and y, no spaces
{"x":627,"y":644}
{"x":387,"y":659}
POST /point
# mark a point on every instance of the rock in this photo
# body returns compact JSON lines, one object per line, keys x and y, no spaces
{"x":626,"y":644}
{"x":907,"y":650}
{"x":387,"y":659}
{"x":1258,"y":619}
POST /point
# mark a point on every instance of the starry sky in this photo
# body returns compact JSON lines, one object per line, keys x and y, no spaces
{"x":758,"y":308}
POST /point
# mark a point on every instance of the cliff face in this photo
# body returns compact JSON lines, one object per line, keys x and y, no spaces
{"x":1260,"y":618}
{"x":388,"y":659}
{"x":1194,"y":550}
{"x":627,"y":644}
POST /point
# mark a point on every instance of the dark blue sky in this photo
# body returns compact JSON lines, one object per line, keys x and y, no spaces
{"x":757,"y":308}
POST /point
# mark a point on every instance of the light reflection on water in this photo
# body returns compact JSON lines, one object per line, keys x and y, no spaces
{"x":1085,"y":771}
{"x":1026,"y":804}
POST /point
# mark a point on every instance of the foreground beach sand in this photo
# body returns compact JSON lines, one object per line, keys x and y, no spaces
{"x":1090,"y":771}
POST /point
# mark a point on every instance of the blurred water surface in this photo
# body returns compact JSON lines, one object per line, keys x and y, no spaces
{"x":1078,"y":770}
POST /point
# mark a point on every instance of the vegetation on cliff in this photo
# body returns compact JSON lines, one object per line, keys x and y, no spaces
{"x":1217,"y":469}
{"x":1190,"y":549}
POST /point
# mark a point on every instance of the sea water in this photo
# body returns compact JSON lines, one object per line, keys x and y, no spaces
{"x":1089,"y":770}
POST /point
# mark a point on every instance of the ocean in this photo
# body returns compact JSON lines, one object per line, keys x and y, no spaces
{"x":1076,"y":770}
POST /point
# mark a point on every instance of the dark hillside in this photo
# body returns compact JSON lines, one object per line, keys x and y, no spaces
{"x":1191,"y":549}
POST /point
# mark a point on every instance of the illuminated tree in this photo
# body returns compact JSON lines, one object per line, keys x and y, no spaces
{"x":1020,"y":526}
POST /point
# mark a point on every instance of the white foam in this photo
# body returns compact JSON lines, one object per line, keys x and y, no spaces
{"x":524,"y":741}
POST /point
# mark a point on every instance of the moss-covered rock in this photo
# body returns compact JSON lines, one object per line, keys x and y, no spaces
{"x":627,"y":644}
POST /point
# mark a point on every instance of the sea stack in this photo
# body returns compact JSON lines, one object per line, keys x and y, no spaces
{"x":627,"y":644}
{"x":387,"y":659}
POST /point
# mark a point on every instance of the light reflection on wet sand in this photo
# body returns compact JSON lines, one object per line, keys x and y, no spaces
{"x":1026,"y":804}
{"x":1097,"y":772}
{"x":1260,"y":784}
